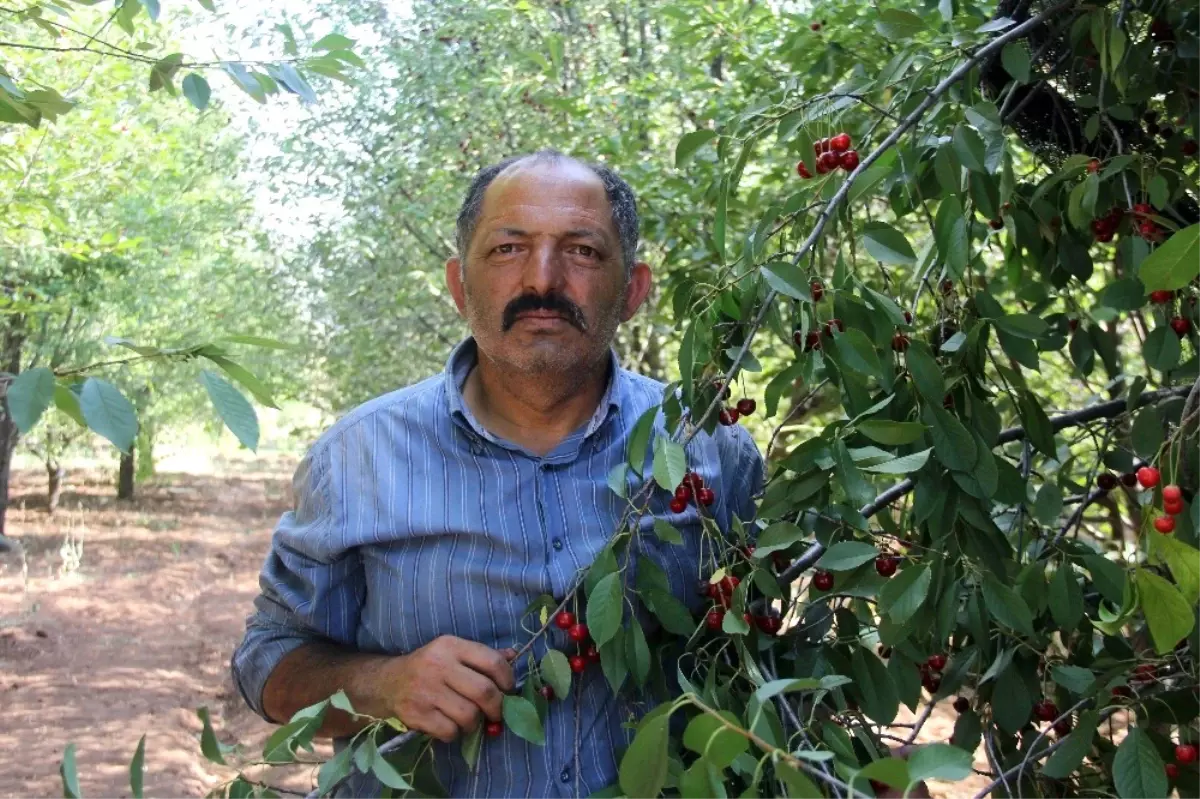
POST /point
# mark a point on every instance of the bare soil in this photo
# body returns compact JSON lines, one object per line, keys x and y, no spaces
{"x":120,"y":620}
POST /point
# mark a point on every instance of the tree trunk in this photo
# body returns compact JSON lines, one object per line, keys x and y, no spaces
{"x":125,"y":476}
{"x":54,"y":481}
{"x":145,"y":453}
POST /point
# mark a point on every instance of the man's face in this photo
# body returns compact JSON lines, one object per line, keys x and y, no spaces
{"x":543,"y":288}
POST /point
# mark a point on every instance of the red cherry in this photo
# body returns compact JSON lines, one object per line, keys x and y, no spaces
{"x":1189,"y":147}
{"x":936,"y":662}
{"x":948,"y":401}
{"x":678,"y":505}
{"x":1045,"y":710}
{"x":1106,"y":481}
{"x":728,"y":416}
{"x":547,"y":692}
{"x":494,"y":728}
{"x":816,"y":26}
{"x":591,"y":654}
{"x":780,"y":561}
{"x":705,"y":496}
{"x":578,"y":663}
{"x":684,"y":492}
{"x":817,"y":290}
{"x":578,"y":633}
{"x":931,"y":682}
{"x":820,"y":146}
{"x":564,"y":619}
{"x":1129,"y":479}
{"x":822,"y":581}
{"x":746,"y":406}
{"x":714,"y":619}
{"x":947,"y":286}
{"x":1143,"y":209}
{"x":802,"y":170}
{"x":693,"y":481}
{"x":849,"y":160}
{"x":1122,"y":691}
{"x":831,"y":324}
{"x":1145,"y":672}
{"x":1171,"y":770}
{"x":1072,"y":325}
{"x":1172,"y":493}
{"x":1105,"y":237}
{"x":962,"y":705}
{"x":1148,"y":476}
{"x":899,"y":342}
{"x":840,"y":143}
{"x":828,"y":161}
{"x":908,"y":317}
{"x":1173,"y":508}
{"x":886,"y":565}
{"x":721,"y":389}
{"x":1181,"y":326}
{"x":1093,"y":166}
{"x":771,"y":625}
{"x":1062,"y":728}
{"x":996,"y":224}
{"x":1147,"y":229}
{"x":1185,"y":753}
{"x":812,"y":341}
{"x":1165,"y":524}
{"x":727,"y":584}
{"x":712,"y":591}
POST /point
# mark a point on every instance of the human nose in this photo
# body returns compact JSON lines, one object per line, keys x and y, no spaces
{"x":544,"y":270}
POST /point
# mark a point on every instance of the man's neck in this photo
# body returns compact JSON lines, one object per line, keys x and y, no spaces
{"x":536,"y":411}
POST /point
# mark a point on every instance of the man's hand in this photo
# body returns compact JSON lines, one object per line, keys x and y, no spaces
{"x":443,"y":688}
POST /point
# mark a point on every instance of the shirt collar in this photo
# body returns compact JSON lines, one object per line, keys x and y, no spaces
{"x":465,"y":355}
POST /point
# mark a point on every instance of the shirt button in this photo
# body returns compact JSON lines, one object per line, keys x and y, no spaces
{"x":558,"y":544}
{"x":566,"y":774}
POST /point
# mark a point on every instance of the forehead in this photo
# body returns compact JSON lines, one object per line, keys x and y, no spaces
{"x":547,"y":194}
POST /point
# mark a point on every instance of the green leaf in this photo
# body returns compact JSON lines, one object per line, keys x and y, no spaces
{"x":1075,"y":679}
{"x":232,"y":407}
{"x":891,"y":433}
{"x":1070,"y":754}
{"x":902,"y":596}
{"x":857,"y":488}
{"x":210,"y":747}
{"x":1162,"y":349}
{"x":108,"y":412}
{"x":1184,"y":562}
{"x":137,"y":769}
{"x":845,"y":556}
{"x":1006,"y":605}
{"x":1146,"y":434}
{"x":1015,"y":58}
{"x":1021,"y":325}
{"x":788,"y":279}
{"x":260,"y":341}
{"x":895,"y":23}
{"x":243,"y":376}
{"x":670,"y":611}
{"x":196,"y":90}
{"x":953,"y":443}
{"x":670,"y":462}
{"x":386,"y":773}
{"x":1048,"y":504}
{"x":29,"y":395}
{"x":1036,"y":423}
{"x":521,"y":717}
{"x":334,"y":41}
{"x":1169,"y":615}
{"x":874,"y":685}
{"x":890,"y":770}
{"x":797,"y":782}
{"x":605,"y":607}
{"x":689,"y":143}
{"x":612,"y":662}
{"x":1108,"y":577}
{"x":617,"y":476}
{"x":1138,"y":771}
{"x":666,"y":533}
{"x":904,"y":465}
{"x":858,"y":353}
{"x":779,"y":535}
{"x":556,"y":671}
{"x":926,"y":374}
{"x":69,"y":773}
{"x":887,"y":244}
{"x":1066,"y":598}
{"x":638,"y":652}
{"x":639,"y":438}
{"x":939,"y":762}
{"x":718,"y":227}
{"x":950,"y":233}
{"x":67,"y":402}
{"x":1173,"y":264}
{"x":969,"y":148}
{"x":643,"y":769}
{"x":884,"y":303}
{"x":708,"y":736}
{"x":1123,"y":295}
{"x":334,"y":770}
{"x":1012,"y":713}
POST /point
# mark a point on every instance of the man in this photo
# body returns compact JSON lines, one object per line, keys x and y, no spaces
{"x":426,"y":520}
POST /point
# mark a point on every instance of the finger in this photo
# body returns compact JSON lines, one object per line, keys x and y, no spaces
{"x":478,"y":689}
{"x":509,"y":653}
{"x":489,"y":662}
{"x":460,"y":710}
{"x":436,"y":724}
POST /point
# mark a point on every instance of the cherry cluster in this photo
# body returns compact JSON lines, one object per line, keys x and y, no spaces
{"x":721,"y":592}
{"x":831,"y":153}
{"x":578,"y":632}
{"x":693,"y":487}
{"x":1181,"y":325}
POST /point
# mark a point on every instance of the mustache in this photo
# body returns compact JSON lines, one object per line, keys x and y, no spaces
{"x":543,"y":302}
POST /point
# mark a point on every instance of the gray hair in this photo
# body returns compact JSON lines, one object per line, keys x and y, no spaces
{"x":620,"y":199}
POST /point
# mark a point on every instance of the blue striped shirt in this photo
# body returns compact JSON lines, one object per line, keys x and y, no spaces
{"x":412,"y":521}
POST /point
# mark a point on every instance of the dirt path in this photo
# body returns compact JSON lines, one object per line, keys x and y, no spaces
{"x":133,"y":632}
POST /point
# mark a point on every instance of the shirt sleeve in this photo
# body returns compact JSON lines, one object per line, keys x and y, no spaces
{"x":311,"y":587}
{"x":744,"y":465}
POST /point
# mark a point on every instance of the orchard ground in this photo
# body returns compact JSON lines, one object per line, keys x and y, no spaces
{"x":127,"y":618}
